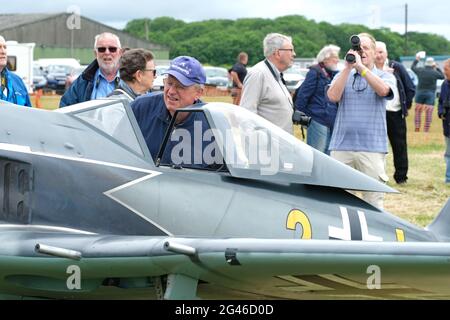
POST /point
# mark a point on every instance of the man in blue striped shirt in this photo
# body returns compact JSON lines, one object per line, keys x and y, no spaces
{"x":360,"y":136}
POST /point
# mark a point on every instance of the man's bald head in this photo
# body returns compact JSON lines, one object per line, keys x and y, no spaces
{"x":381,"y":54}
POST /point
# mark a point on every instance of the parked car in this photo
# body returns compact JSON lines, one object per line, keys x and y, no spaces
{"x":217,"y":76}
{"x":294,"y":76}
{"x":56,"y":77}
{"x":158,"y":83}
{"x":39,"y":79}
{"x":76,"y":72}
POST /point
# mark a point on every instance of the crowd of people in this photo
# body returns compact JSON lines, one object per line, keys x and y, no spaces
{"x":354,"y":111}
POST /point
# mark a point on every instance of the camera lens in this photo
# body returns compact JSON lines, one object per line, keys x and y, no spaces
{"x":300,"y":118}
{"x":350,"y":58}
{"x":355,"y":41}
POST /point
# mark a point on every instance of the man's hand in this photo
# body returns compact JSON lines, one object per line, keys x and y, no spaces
{"x":357,"y":58}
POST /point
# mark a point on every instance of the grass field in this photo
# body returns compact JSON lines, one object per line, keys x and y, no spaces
{"x":421,"y":199}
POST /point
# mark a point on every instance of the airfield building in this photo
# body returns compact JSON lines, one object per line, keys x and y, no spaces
{"x":66,"y":35}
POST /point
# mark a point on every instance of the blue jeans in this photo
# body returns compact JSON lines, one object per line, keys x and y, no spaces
{"x":447,"y":160}
{"x":318,"y":137}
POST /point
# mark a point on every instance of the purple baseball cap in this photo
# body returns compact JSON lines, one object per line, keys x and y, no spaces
{"x":187,"y":70}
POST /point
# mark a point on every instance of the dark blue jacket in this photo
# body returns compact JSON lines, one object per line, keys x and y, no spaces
{"x":81,"y":89}
{"x":311,"y":97}
{"x":405,"y":86}
{"x":444,"y":100}
{"x":154,"y":119}
{"x":17,"y":91}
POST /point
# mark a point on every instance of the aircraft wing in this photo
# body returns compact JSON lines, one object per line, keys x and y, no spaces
{"x":127,"y":266}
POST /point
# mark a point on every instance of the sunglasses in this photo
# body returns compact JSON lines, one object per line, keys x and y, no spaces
{"x":153,"y":70}
{"x":103,"y":49}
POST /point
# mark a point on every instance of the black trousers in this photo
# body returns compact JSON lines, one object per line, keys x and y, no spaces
{"x":396,"y":129}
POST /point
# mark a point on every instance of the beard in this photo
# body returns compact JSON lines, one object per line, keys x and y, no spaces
{"x":333,"y":67}
{"x":108,"y":67}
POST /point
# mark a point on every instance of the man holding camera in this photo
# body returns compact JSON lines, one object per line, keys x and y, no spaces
{"x":444,"y":114}
{"x":360,"y":136}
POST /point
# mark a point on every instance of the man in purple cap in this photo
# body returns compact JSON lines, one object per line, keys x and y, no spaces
{"x":183,"y":87}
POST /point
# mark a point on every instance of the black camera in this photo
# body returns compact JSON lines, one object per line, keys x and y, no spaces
{"x":300,"y":118}
{"x":356,"y":45}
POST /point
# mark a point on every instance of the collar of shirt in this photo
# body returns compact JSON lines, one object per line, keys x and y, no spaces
{"x":127,"y":88}
{"x":275,"y":69}
{"x":282,"y":84}
{"x":103,"y":87}
{"x":4,"y":83}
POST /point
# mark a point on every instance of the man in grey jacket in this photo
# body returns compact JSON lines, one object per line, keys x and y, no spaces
{"x":264,"y":90}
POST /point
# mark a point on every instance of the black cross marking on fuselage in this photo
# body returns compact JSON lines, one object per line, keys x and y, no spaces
{"x":355,"y":226}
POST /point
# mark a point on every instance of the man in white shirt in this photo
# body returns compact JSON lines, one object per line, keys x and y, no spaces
{"x":264,"y":90}
{"x":397,"y":110}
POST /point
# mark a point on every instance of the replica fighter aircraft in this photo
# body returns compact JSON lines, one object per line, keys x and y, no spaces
{"x":87,"y":213}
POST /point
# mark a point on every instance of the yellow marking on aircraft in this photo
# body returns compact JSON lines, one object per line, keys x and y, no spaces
{"x":400,"y":235}
{"x":297,"y":216}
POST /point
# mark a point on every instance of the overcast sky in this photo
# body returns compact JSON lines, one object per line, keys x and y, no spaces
{"x":424,"y":15}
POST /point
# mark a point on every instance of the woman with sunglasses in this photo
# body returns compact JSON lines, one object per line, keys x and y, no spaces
{"x":137,"y":72}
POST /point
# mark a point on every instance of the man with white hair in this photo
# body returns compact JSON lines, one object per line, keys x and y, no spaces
{"x":12,"y":88}
{"x":397,"y":110}
{"x":183,"y":87}
{"x":312,"y":100}
{"x":101,"y":77}
{"x":359,"y":135}
{"x":265,"y":92}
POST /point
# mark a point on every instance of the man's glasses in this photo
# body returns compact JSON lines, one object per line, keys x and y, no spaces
{"x":154,"y":71}
{"x":169,"y":83}
{"x":291,"y":50}
{"x":110,"y":49}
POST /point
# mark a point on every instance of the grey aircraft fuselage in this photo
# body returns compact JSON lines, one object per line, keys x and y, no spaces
{"x":68,"y":176}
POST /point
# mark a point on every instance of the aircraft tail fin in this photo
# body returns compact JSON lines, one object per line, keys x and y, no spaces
{"x":441,"y":224}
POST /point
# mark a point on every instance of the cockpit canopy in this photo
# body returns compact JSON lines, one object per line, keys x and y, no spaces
{"x":248,"y":145}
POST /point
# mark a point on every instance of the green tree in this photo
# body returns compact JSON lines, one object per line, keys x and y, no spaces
{"x":218,"y":41}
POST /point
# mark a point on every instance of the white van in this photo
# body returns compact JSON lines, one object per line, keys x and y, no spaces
{"x":20,"y":61}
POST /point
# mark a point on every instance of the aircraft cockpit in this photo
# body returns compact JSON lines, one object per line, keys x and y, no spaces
{"x":248,"y":145}
{"x":226,"y":139}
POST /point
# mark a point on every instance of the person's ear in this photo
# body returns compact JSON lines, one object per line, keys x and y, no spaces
{"x":199,"y":93}
{"x":138,"y":75}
